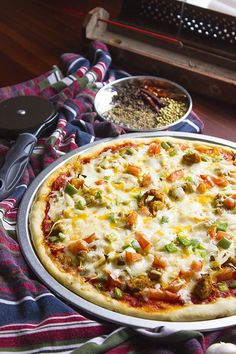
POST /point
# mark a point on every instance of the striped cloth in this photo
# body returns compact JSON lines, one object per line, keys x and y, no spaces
{"x":33,"y":319}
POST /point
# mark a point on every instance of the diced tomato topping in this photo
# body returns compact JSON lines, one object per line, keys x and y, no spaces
{"x":77,"y":182}
{"x":100,"y":182}
{"x":217,"y":235}
{"x":196,"y":265}
{"x":212,"y":231}
{"x":183,"y":147}
{"x":227,"y":155}
{"x":220,"y":234}
{"x":159,"y":294}
{"x":142,"y":240}
{"x":207,"y":180}
{"x":220,"y":181}
{"x":90,"y":238}
{"x":175,"y":175}
{"x":175,"y":285}
{"x":226,"y":274}
{"x":207,"y":151}
{"x":147,"y":180}
{"x":154,"y":149}
{"x":160,"y":262}
{"x":210,"y":181}
{"x":201,"y":188}
{"x":112,"y":283}
{"x":132,"y":257}
{"x":186,"y":274}
{"x":77,"y":246}
{"x":229,"y":203}
{"x":59,"y":183}
{"x":131,"y":219}
{"x":134,"y":170}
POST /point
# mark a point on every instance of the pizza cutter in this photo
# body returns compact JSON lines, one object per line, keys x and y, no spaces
{"x":23,"y":118}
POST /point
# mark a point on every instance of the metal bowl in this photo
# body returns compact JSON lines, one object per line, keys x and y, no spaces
{"x":107,"y":103}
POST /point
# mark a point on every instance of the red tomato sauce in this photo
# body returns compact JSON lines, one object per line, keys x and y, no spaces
{"x":47,"y":222}
{"x":59,"y":183}
{"x":216,"y":294}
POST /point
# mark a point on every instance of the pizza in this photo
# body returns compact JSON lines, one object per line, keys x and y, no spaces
{"x":143,"y":226}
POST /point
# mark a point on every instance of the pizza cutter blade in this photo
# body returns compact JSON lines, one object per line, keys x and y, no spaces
{"x":24,"y":117}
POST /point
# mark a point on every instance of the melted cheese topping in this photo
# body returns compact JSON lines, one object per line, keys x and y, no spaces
{"x":177,"y":231}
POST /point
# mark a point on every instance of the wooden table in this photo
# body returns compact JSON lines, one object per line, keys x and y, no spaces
{"x":34,"y":33}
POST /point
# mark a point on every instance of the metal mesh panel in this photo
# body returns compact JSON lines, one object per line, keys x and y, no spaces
{"x":186,"y":22}
{"x":161,"y":12}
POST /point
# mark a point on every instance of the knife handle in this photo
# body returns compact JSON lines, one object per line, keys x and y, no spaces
{"x":15,"y":163}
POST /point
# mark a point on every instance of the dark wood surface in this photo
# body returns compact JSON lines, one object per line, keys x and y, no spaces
{"x":34,"y":33}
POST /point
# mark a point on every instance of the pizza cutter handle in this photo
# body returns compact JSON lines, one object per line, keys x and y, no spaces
{"x":15,"y":163}
{"x":157,"y":332}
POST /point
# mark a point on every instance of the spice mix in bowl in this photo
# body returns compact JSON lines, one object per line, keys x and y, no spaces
{"x":143,"y":103}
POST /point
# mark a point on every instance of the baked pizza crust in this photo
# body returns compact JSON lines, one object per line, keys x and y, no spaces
{"x":221,"y":307}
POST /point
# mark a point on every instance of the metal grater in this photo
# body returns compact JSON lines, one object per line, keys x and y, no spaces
{"x":184,"y":43}
{"x":203,"y":28}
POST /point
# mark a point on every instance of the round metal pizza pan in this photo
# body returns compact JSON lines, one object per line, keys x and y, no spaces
{"x":144,"y":326}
